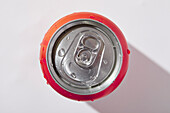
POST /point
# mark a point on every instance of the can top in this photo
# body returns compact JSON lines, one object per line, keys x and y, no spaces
{"x":84,"y":56}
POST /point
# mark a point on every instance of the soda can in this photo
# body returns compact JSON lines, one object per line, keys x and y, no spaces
{"x":84,"y":56}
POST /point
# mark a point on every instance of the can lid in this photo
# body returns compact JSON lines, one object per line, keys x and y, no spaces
{"x":84,"y":56}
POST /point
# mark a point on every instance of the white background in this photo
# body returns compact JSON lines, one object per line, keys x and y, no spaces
{"x":145,"y":24}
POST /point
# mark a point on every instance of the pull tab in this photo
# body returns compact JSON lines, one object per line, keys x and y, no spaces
{"x":84,"y":57}
{"x":87,"y":50}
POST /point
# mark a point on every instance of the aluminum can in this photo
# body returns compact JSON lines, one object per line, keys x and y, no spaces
{"x":84,"y":56}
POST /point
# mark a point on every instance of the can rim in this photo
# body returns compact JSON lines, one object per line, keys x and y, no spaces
{"x":112,"y":75}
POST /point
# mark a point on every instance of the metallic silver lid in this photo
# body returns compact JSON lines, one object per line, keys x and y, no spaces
{"x":84,"y":56}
